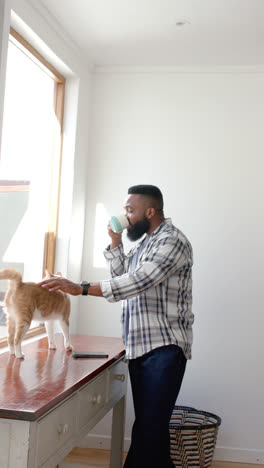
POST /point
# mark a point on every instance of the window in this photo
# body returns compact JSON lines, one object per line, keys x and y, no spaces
{"x":29,"y":165}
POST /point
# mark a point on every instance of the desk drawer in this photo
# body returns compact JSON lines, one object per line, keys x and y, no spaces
{"x":117,"y":380}
{"x":55,"y":429}
{"x":92,"y":399}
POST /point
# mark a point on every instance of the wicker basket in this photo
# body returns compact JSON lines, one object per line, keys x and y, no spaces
{"x":193,"y":436}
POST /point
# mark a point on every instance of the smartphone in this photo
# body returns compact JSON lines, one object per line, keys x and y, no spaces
{"x":88,"y":354}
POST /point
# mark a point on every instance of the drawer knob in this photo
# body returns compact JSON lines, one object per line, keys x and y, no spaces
{"x":65,"y":428}
{"x":96,"y":400}
{"x":120,"y":377}
{"x":62,"y":428}
{"x":59,"y":429}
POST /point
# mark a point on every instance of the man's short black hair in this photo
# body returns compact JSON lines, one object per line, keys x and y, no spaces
{"x":150,"y":191}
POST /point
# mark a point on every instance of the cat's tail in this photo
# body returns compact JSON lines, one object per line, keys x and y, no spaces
{"x":11,"y":274}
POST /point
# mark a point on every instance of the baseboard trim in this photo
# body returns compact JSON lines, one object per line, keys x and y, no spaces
{"x":230,"y":454}
{"x":234,"y":454}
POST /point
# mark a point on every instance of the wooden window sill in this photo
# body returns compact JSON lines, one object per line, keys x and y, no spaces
{"x":34,"y":332}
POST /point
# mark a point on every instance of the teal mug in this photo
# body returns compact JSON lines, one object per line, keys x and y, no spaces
{"x":118,"y":223}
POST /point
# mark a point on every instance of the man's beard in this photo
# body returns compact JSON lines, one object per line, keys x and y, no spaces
{"x":138,"y":229}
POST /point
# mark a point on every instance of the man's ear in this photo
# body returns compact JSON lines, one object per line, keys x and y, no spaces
{"x":150,"y":213}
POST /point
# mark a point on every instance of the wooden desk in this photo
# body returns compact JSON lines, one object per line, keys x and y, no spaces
{"x":49,"y":401}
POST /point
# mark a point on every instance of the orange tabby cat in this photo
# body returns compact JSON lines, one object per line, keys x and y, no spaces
{"x":25,"y":302}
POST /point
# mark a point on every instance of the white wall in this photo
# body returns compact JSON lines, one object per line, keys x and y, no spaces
{"x":199,"y":137}
{"x":36,"y":25}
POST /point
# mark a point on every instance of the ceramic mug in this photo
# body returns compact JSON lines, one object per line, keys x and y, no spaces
{"x":118,"y":223}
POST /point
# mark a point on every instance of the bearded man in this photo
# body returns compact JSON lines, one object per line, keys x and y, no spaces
{"x":154,"y":283}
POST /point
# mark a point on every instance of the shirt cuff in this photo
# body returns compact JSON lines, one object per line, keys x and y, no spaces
{"x":107,"y":290}
{"x":113,"y":253}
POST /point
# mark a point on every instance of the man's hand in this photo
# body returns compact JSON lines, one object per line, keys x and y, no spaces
{"x":56,"y":283}
{"x":115,"y":236}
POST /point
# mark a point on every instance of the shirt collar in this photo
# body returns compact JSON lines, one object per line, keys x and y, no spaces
{"x":166,"y":222}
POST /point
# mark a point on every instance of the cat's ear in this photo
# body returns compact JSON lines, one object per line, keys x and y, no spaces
{"x":58,"y":273}
{"x":47,"y":274}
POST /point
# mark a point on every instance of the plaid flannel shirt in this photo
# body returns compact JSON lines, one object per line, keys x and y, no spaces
{"x":159,"y":290}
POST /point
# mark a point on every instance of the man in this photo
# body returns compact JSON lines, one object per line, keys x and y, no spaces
{"x":154,"y":281}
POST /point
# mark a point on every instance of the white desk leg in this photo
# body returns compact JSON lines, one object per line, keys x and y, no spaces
{"x":117,"y":441}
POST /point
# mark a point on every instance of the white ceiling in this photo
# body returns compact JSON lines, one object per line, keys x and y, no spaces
{"x":143,"y":32}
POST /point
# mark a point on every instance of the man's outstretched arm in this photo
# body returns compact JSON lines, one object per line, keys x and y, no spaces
{"x":58,"y":283}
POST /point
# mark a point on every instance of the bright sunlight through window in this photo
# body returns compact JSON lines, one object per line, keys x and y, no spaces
{"x":29,"y":164}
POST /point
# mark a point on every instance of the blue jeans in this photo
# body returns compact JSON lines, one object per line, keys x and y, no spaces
{"x":156,"y":379}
